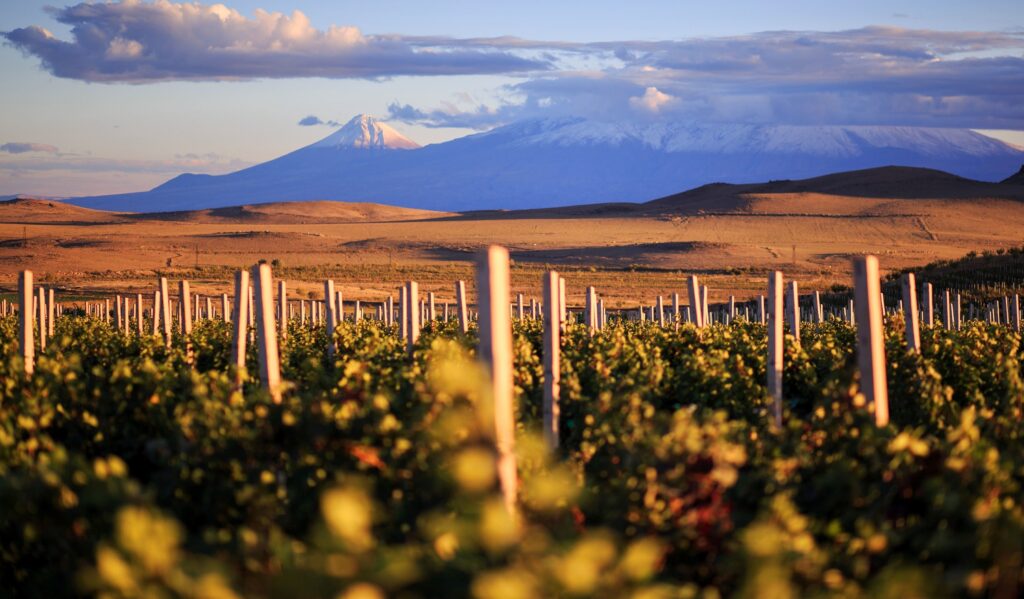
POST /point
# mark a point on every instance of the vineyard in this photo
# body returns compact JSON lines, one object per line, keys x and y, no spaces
{"x":503,"y":451}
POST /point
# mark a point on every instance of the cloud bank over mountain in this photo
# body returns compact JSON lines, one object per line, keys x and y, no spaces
{"x":878,"y":75}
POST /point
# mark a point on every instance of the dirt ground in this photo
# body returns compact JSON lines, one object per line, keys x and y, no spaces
{"x":630,"y":256}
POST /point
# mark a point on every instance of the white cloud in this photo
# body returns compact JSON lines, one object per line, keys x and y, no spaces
{"x":140,"y":42}
{"x":653,"y":101}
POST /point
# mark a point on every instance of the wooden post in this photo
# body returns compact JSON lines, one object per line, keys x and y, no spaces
{"x":591,"y":310}
{"x":413,"y":293}
{"x":870,"y":339}
{"x":794,"y":311}
{"x":41,"y":304}
{"x":775,"y":344}
{"x":706,"y":317}
{"x":762,"y":314}
{"x":496,"y":355}
{"x":403,"y":313}
{"x":460,"y":299}
{"x":266,"y":334}
{"x":552,"y":366}
{"x":929,"y":305}
{"x":431,"y":312}
{"x":853,"y":314}
{"x":165,"y":311}
{"x":241,"y":324}
{"x":519,"y":306}
{"x":186,"y":320}
{"x":732,"y":307}
{"x":819,"y":316}
{"x":25,"y":324}
{"x":251,"y":312}
{"x":947,"y":313}
{"x":138,"y":314}
{"x":695,"y":298}
{"x":661,"y":311}
{"x":1016,"y":312}
{"x":910,"y":313}
{"x":676,"y":317}
{"x":50,"y":312}
{"x":957,"y":313}
{"x":561,"y":302}
{"x":225,"y":311}
{"x":209,"y":308}
{"x":157,"y":308}
{"x":389,"y":311}
{"x":282,"y":298}
{"x":332,"y":315}
{"x":117,"y":312}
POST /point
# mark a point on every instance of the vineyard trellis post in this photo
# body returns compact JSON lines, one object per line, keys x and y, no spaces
{"x":910,"y":312}
{"x":929,"y":305}
{"x":591,"y":310}
{"x":775,"y":347}
{"x":563,"y":316}
{"x":241,"y":325}
{"x":552,"y":350}
{"x":870,"y":336}
{"x":41,"y":304}
{"x":819,"y":315}
{"x":413,"y":314}
{"x":282,"y":299}
{"x":460,"y":299}
{"x":706,"y":314}
{"x":51,"y":309}
{"x":157,"y":299}
{"x":794,"y":312}
{"x":225,"y":312}
{"x":695,"y":308}
{"x":25,"y":324}
{"x":165,"y":311}
{"x":138,"y":314}
{"x":266,"y":332}
{"x":332,"y":315}
{"x":496,"y":356}
{"x":186,"y":321}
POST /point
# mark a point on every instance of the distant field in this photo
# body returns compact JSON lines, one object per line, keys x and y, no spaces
{"x":730,"y":234}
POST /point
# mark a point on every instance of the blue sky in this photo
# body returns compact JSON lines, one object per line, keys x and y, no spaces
{"x":120,"y":97}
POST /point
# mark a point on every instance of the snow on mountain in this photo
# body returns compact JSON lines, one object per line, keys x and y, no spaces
{"x":746,"y":138}
{"x":367,"y":132}
{"x":557,"y":162}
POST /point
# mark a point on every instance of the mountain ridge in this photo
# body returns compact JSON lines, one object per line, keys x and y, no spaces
{"x":546,"y":163}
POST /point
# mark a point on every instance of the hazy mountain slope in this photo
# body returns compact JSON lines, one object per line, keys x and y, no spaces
{"x":557,"y":162}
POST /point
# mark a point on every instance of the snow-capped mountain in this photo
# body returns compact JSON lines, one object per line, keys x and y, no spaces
{"x":557,"y":162}
{"x":367,"y":133}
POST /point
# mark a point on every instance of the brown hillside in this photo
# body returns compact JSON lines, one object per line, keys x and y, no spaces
{"x":866,"y":192}
{"x":298,"y":213}
{"x":32,"y":211}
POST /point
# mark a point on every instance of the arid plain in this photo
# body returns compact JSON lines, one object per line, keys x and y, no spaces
{"x":730,"y":235}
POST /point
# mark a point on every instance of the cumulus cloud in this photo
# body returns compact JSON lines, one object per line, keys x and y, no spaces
{"x":139,"y":42}
{"x":653,"y":101}
{"x":23,"y":147}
